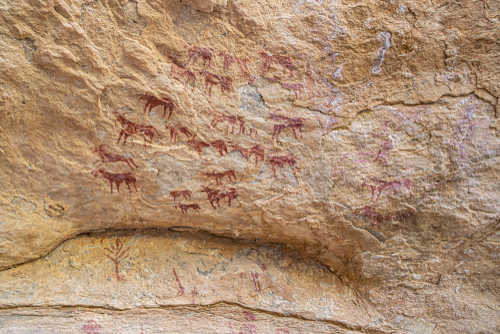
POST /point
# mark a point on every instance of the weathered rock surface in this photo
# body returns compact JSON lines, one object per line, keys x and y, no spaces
{"x":249,"y":167}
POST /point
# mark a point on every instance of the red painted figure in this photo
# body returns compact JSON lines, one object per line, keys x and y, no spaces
{"x":117,"y":253}
{"x":185,"y":131}
{"x":181,"y":288}
{"x":249,"y":316}
{"x":256,"y":284}
{"x":281,"y":331}
{"x":242,"y":63}
{"x":378,"y":218}
{"x":294,"y":123}
{"x":219,"y":175}
{"x":370,"y":212}
{"x":173,"y":132}
{"x":231,"y":194}
{"x":198,"y":145}
{"x":129,"y":179}
{"x":153,"y":101}
{"x":257,"y":150}
{"x":231,"y":120}
{"x":385,"y":147}
{"x":185,"y":207}
{"x":205,"y":54}
{"x":296,"y":87}
{"x":179,"y":193}
{"x":91,"y":327}
{"x":248,"y":329}
{"x":193,"y":293}
{"x":130,"y":128}
{"x":210,"y":81}
{"x":245,"y":151}
{"x":381,"y":185}
{"x":226,"y":85}
{"x":214,"y":195}
{"x":178,"y":71}
{"x":228,"y":60}
{"x":285,"y":62}
{"x":219,"y":145}
{"x":281,"y":162}
{"x":105,"y":157}
{"x":253,"y":131}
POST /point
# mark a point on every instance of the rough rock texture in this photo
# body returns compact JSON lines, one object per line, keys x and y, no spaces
{"x":230,"y":166}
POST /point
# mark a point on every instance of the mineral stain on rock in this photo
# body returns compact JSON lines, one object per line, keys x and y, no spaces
{"x":135,"y":22}
{"x":252,"y":101}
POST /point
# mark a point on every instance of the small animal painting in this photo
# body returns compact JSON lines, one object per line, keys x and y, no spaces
{"x":219,"y":175}
{"x":205,"y":54}
{"x":117,"y":179}
{"x":105,"y":157}
{"x":295,"y":123}
{"x":210,"y":81}
{"x":281,"y":162}
{"x":185,"y":207}
{"x":179,"y":193}
{"x":130,"y":128}
{"x":284,"y":61}
{"x":198,"y":145}
{"x":153,"y":101}
{"x":220,"y":146}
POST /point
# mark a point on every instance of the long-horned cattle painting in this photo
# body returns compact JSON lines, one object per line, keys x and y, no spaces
{"x":131,"y":128}
{"x":153,"y":101}
{"x":117,"y":179}
{"x":295,"y":123}
{"x":104,"y":157}
{"x":281,"y":162}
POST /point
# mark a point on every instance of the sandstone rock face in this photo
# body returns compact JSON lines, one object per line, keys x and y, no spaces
{"x":229,"y":166}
